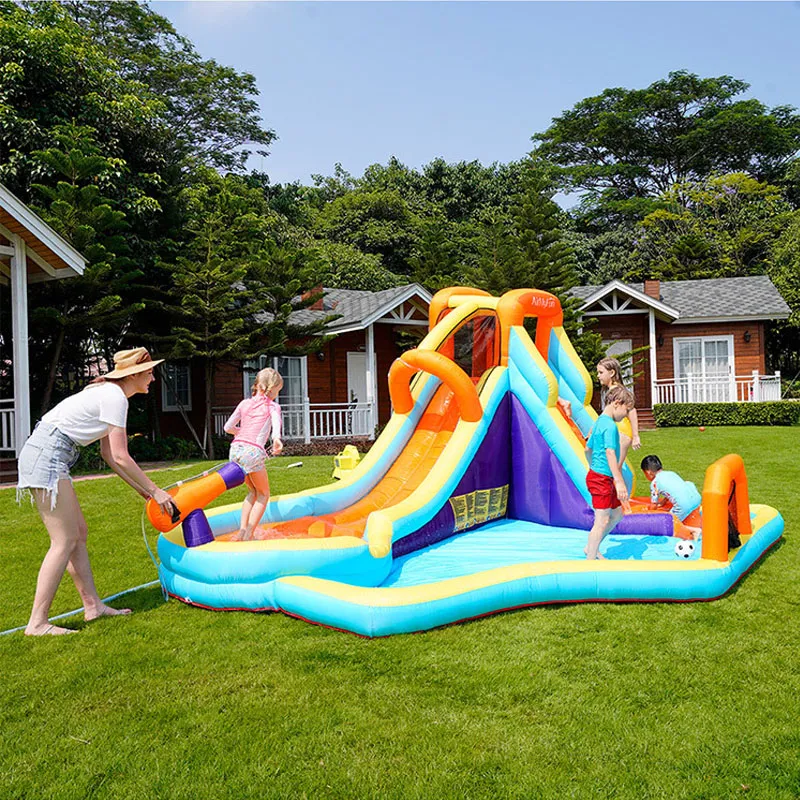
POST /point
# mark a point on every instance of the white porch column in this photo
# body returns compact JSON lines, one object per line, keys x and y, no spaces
{"x":653,"y":371}
{"x":19,"y":335}
{"x":372,"y":381}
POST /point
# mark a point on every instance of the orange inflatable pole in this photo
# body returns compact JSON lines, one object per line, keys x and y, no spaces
{"x":440,"y":301}
{"x":442,"y":367}
{"x":723,"y":475}
{"x":517,"y":304}
{"x":193,"y":495}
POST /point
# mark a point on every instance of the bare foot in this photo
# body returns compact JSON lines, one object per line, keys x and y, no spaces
{"x":47,"y":630}
{"x":105,"y":611}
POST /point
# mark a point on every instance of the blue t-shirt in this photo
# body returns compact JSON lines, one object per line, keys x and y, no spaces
{"x":682,"y":494}
{"x":604,"y":434}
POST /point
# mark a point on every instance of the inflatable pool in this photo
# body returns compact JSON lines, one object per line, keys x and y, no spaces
{"x":472,"y":501}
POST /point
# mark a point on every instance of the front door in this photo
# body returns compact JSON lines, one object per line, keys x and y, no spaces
{"x":357,"y":391}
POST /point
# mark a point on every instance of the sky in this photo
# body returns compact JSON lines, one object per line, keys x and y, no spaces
{"x":359,"y":82}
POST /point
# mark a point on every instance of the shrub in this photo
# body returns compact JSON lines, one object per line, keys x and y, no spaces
{"x":170,"y":448}
{"x":779,"y":412}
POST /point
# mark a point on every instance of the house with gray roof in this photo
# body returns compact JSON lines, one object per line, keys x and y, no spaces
{"x":339,"y":392}
{"x":704,"y":339}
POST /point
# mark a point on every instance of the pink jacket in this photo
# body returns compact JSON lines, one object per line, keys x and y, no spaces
{"x":254,"y":419}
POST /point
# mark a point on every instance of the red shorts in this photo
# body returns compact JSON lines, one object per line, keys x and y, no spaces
{"x":602,"y":489}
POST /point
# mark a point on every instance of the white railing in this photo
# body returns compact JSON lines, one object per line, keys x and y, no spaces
{"x":7,"y":439}
{"x":733,"y":389}
{"x":309,"y":421}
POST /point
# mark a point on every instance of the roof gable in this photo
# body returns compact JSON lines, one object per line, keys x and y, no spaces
{"x":53,"y":254}
{"x":709,"y":299}
{"x":360,"y":309}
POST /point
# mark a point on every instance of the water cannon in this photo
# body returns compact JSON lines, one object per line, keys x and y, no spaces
{"x":194,"y":495}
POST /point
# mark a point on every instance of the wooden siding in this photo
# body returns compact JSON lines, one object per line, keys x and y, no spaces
{"x":747,"y":356}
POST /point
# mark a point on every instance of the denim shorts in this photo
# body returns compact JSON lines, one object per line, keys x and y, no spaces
{"x":44,"y":460}
{"x":249,"y":457}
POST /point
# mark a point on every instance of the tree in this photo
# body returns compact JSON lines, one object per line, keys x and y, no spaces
{"x":629,"y":145}
{"x":233,"y":288}
{"x":723,"y":226}
{"x":378,"y":222}
{"x":210,"y":110}
{"x":90,"y":306}
{"x":526,"y":249}
{"x":784,"y":270}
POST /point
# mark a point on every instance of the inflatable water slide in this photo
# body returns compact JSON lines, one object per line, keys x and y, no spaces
{"x":472,"y":501}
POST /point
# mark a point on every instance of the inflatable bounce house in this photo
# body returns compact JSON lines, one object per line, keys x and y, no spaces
{"x":472,"y":501}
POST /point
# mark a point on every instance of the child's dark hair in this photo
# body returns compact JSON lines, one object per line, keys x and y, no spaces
{"x":652,"y":463}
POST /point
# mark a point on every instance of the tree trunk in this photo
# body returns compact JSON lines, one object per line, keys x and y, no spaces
{"x":51,"y":375}
{"x":209,"y":428}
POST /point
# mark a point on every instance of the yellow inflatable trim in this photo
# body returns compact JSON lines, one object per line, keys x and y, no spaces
{"x":425,"y":593}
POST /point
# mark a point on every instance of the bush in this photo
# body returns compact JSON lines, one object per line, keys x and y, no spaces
{"x":779,"y":412}
{"x":170,"y":448}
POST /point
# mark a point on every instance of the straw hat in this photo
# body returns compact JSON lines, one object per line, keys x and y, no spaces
{"x":129,"y":362}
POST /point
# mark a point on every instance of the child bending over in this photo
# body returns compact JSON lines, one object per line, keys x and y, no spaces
{"x":604,"y":479}
{"x":668,"y":487}
{"x":251,"y":424}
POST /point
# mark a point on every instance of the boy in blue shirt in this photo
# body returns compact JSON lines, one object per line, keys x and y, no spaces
{"x":668,"y":487}
{"x":604,"y":479}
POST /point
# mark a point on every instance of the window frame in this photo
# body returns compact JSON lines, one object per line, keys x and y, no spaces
{"x":678,"y":340}
{"x":165,"y":405}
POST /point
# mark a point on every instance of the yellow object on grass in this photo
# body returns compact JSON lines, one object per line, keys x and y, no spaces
{"x":345,"y":461}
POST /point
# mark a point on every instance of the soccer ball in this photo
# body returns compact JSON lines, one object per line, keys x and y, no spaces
{"x":684,"y":549}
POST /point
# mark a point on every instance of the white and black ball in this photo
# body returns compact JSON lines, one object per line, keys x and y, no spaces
{"x":684,"y":549}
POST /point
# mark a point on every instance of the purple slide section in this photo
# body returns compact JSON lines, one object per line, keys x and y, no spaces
{"x":490,"y":468}
{"x":514,"y":452}
{"x":543,"y":492}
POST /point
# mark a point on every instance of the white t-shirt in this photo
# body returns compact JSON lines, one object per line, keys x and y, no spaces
{"x":85,"y":416}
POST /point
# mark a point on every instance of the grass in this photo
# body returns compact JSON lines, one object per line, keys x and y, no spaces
{"x":640,"y":701}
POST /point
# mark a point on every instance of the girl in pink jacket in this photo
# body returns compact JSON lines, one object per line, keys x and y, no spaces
{"x":251,"y":424}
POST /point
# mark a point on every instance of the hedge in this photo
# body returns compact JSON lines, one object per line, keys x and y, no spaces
{"x":170,"y":448}
{"x":779,"y":412}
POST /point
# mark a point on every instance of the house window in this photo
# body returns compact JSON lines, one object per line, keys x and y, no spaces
{"x":293,"y":370}
{"x":176,"y":387}
{"x":704,"y":368}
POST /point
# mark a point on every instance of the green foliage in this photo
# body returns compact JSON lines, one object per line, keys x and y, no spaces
{"x":344,"y":266}
{"x":527,"y":249}
{"x":628,"y":145}
{"x":779,"y":412}
{"x":784,"y":270}
{"x":210,"y":110}
{"x":378,"y":222}
{"x":722,"y":226}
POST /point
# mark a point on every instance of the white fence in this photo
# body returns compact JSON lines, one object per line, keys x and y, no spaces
{"x":7,"y":425}
{"x":733,"y":389}
{"x":309,"y":421}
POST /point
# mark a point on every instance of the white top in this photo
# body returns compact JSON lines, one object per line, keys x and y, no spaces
{"x":86,"y":416}
{"x":254,"y":420}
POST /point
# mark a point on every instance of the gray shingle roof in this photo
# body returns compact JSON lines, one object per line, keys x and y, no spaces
{"x":713,"y":298}
{"x":356,"y":307}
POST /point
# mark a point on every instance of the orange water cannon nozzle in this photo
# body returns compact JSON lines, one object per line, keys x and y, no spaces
{"x":193,"y":495}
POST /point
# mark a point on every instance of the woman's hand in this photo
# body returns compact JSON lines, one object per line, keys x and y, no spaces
{"x":277,"y":447}
{"x":164,"y":500}
{"x":636,"y":442}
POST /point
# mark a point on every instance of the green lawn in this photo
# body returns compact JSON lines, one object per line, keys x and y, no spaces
{"x":641,"y":701}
